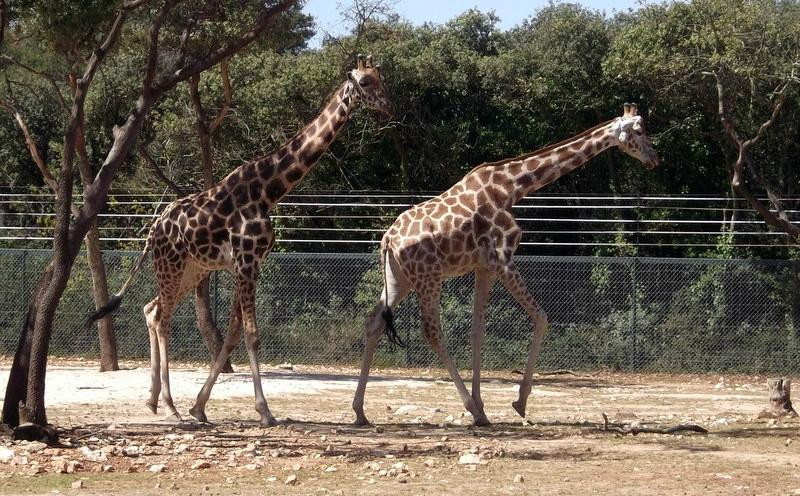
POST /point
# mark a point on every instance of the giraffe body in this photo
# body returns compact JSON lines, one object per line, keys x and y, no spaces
{"x":228,"y":227}
{"x":470,"y":227}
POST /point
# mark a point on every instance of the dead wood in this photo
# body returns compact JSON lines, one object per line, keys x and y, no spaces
{"x":635,"y":429}
{"x":780,"y":402}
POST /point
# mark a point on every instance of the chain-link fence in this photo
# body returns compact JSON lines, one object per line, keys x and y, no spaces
{"x":673,"y":315}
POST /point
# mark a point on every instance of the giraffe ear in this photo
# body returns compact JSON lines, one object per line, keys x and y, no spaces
{"x":369,"y":60}
{"x":360,"y":62}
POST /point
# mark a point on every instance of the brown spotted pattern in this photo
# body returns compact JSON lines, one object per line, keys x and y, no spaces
{"x":228,"y":227}
{"x":470,"y":227}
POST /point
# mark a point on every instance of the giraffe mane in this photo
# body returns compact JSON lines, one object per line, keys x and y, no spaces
{"x":545,"y":149}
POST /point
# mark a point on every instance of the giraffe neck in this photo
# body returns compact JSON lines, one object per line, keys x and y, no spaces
{"x":277,"y":174}
{"x":509,"y":181}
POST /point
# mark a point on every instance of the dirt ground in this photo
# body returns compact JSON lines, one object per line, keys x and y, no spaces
{"x":420,"y":440}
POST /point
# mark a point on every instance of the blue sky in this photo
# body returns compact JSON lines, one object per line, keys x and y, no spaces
{"x":511,"y":12}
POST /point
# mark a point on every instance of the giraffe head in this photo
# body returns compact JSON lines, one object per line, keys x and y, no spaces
{"x":629,"y":132}
{"x":366,"y":79}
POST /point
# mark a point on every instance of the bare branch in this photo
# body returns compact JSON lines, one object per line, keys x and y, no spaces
{"x":47,"y":77}
{"x":228,"y":97}
{"x":721,"y":112}
{"x":160,"y":173}
{"x":152,"y":54}
{"x":49,"y":180}
{"x":775,"y":111}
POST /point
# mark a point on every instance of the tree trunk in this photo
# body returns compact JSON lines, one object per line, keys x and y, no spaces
{"x":780,"y":402}
{"x":105,"y":326}
{"x":17,"y":387}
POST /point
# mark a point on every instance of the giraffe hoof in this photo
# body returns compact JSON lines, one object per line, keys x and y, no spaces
{"x":361,"y":422}
{"x":173,"y":417}
{"x":153,"y":407}
{"x":481,"y":421}
{"x":198,"y":414}
{"x":519,"y":407}
{"x":268,"y":421}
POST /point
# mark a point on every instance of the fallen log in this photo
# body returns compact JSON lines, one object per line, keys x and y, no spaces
{"x":636,"y":429}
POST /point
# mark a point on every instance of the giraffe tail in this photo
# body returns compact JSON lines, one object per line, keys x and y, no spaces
{"x":115,"y":301}
{"x":388,"y":316}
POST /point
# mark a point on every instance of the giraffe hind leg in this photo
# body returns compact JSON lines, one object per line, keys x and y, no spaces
{"x":397,"y":288}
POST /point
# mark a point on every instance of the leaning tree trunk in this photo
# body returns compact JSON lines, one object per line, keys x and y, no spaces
{"x":17,"y":388}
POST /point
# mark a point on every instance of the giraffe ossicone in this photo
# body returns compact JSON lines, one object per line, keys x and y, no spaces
{"x":470,"y":227}
{"x":228,"y":227}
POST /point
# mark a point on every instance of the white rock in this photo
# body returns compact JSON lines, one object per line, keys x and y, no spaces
{"x":157,"y":468}
{"x":470,"y":459}
{"x":291,"y":480}
{"x":286,"y":366}
{"x":93,"y":455}
{"x":519,"y":478}
{"x":78,"y":484}
{"x":406,"y":409}
{"x":6,"y":454}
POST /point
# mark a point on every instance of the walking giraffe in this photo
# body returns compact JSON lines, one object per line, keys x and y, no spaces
{"x":228,"y":227}
{"x":470,"y":227}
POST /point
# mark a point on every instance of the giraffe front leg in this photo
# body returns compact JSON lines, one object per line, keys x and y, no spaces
{"x":198,"y":411}
{"x":247,"y":297}
{"x":483,"y":285}
{"x":513,"y":281}
{"x":431,"y":329}
{"x":163,"y":347}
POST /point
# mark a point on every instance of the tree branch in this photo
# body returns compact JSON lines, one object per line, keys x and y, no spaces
{"x":227,"y":93}
{"x":47,"y":77}
{"x":160,"y":173}
{"x":227,"y":50}
{"x":49,"y":180}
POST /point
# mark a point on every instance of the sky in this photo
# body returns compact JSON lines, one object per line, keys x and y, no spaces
{"x":511,"y":12}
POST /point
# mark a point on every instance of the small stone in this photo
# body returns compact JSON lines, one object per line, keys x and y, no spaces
{"x":449,"y":419}
{"x":444,"y":439}
{"x":201,"y":464}
{"x":157,"y":468}
{"x":469,"y":459}
{"x":286,"y":366}
{"x":519,"y":478}
{"x":291,"y":480}
{"x":429,"y":462}
{"x":378,"y":429}
{"x":78,"y":484}
{"x":332,"y":468}
{"x":272,"y":478}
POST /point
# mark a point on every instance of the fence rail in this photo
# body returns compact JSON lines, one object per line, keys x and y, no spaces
{"x":660,"y":314}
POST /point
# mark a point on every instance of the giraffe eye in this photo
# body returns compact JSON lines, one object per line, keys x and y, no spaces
{"x":364,"y":82}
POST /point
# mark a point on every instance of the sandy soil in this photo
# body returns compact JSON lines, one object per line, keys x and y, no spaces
{"x":420,"y":441}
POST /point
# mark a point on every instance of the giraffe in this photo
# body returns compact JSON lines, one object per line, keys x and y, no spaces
{"x":228,"y":227}
{"x":470,"y":227}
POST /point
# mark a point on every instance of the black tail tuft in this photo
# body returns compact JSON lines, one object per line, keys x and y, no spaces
{"x":106,"y":309}
{"x":391,"y":330}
